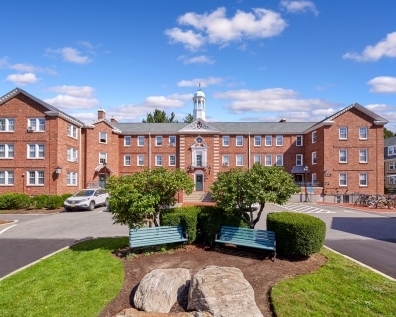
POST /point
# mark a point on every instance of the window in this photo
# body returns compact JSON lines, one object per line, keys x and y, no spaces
{"x":279,"y":160}
{"x":140,"y":140}
{"x":343,"y":156}
{"x":391,"y":150}
{"x":299,"y":159}
{"x":102,"y":137}
{"x":172,"y":140}
{"x":102,"y":157}
{"x":72,"y":131}
{"x":363,"y":179}
{"x":363,"y":156}
{"x":6,"y":178}
{"x":127,"y":140}
{"x":363,"y":133}
{"x":257,"y":158}
{"x":268,"y":160}
{"x":35,"y":178}
{"x":391,"y":180}
{"x":198,"y":159}
{"x":35,"y":150}
{"x":140,"y":160}
{"x":279,"y":140}
{"x":72,"y":155}
{"x":225,"y":160}
{"x":158,"y":160}
{"x":239,"y":160}
{"x":313,"y":179}
{"x":343,"y":133}
{"x":6,"y":150}
{"x":268,"y":140}
{"x":239,"y":140}
{"x":299,"y":140}
{"x":313,"y":157}
{"x":391,"y":165}
{"x":36,"y":124}
{"x":226,"y":140}
{"x":257,"y":140}
{"x":314,"y":137}
{"x":127,"y":160}
{"x":6,"y":124}
{"x":343,"y":179}
{"x":71,"y":179}
{"x":172,"y":160}
{"x":158,"y":140}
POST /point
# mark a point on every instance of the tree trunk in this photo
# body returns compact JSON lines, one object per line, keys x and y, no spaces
{"x":262,"y":205}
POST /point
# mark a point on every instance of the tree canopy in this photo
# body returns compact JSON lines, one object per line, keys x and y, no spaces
{"x":143,"y":195}
{"x":238,"y":190}
{"x":188,"y":118}
{"x":159,"y":116}
{"x":388,"y":133}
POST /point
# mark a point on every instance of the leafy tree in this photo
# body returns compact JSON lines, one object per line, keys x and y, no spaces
{"x":143,"y":195}
{"x":159,"y":116}
{"x":238,"y":190}
{"x":388,"y":133}
{"x":188,"y":118}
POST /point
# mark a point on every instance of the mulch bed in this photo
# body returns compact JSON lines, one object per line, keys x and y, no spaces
{"x":258,"y":268}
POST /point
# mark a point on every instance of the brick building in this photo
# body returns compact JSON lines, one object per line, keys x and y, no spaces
{"x":390,"y":163}
{"x":341,"y":154}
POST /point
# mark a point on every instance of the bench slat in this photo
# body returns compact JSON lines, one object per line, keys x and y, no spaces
{"x":155,"y":235}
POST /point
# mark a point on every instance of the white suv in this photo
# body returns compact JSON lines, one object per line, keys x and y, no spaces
{"x":87,"y":199}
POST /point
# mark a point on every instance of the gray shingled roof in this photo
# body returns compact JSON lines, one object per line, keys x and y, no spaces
{"x":390,"y":141}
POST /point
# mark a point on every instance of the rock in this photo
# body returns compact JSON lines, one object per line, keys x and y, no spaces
{"x":159,"y":289}
{"x":222,"y":291}
{"x":131,"y":312}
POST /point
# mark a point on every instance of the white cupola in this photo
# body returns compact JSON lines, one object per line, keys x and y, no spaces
{"x":199,"y":104}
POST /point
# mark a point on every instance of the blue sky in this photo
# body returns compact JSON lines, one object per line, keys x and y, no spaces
{"x":256,"y":60}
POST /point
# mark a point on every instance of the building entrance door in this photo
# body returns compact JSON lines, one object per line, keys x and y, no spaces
{"x":198,"y":182}
{"x":102,"y":180}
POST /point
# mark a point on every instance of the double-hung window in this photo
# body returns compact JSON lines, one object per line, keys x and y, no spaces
{"x":158,"y":140}
{"x":299,"y":160}
{"x":299,"y":140}
{"x":279,"y":160}
{"x":313,"y":158}
{"x":257,"y":140}
{"x":363,"y":179}
{"x":391,"y":165}
{"x":102,"y":157}
{"x":36,"y":150}
{"x":35,"y":178}
{"x":172,"y":140}
{"x":140,"y":160}
{"x":314,"y":137}
{"x":71,"y":179}
{"x":268,"y":140}
{"x":391,"y":150}
{"x":363,"y":156}
{"x":257,"y":158}
{"x":72,"y":131}
{"x":343,"y":133}
{"x":239,"y":140}
{"x":363,"y":133}
{"x":239,"y":160}
{"x":268,"y":160}
{"x":72,"y":155}
{"x":6,"y":178}
{"x":6,"y":150}
{"x":343,"y":156}
{"x":127,"y":160}
{"x":226,"y":140}
{"x":140,"y":140}
{"x":172,"y":160}
{"x":158,"y":160}
{"x":6,"y":125}
{"x":225,"y":160}
{"x":36,"y":124}
{"x":102,"y":137}
{"x":279,"y":140}
{"x":127,"y":140}
{"x":343,"y":179}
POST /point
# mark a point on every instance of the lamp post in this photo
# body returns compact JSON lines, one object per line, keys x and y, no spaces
{"x":305,"y":181}
{"x":105,"y":173}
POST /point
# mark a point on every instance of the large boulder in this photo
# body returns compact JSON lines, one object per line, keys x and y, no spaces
{"x":222,"y":291}
{"x":131,"y":312}
{"x":159,"y":289}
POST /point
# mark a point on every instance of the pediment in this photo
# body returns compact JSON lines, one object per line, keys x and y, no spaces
{"x":199,"y":126}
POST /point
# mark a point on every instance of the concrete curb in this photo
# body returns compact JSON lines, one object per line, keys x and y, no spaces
{"x":362,"y":264}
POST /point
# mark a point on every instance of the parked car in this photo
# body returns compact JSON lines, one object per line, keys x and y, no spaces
{"x":87,"y":199}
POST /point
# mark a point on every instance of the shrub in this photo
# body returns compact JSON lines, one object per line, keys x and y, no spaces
{"x":54,"y":202}
{"x":297,"y":235}
{"x":14,"y":201}
{"x":39,"y":201}
{"x":66,"y":196}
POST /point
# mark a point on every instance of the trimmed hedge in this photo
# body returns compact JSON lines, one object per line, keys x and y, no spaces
{"x":297,"y":235}
{"x":13,"y":201}
{"x":39,"y":201}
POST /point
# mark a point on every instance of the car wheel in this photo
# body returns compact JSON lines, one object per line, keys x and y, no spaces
{"x":91,"y":205}
{"x":67,"y":208}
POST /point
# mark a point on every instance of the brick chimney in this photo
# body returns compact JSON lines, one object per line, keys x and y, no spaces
{"x":101,"y":114}
{"x":112,"y":119}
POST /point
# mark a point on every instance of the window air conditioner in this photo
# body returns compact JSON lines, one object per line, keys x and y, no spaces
{"x":225,"y":164}
{"x":172,"y":144}
{"x":31,"y":129}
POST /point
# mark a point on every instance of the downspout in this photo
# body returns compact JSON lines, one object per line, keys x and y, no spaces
{"x":249,"y":151}
{"x":79,"y":159}
{"x":149,"y":150}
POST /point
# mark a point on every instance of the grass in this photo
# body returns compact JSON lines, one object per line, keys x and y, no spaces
{"x":339,"y":288}
{"x":79,"y":281}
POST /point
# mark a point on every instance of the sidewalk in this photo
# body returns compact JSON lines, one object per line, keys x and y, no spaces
{"x":357,"y":207}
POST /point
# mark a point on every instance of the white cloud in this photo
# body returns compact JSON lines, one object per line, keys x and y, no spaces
{"x":31,"y":69}
{"x":218,"y":29}
{"x":296,"y":6}
{"x":384,"y":84}
{"x":377,"y":107}
{"x":69,"y":54}
{"x":181,"y":96}
{"x":203,"y":81}
{"x":76,"y":91}
{"x":161,"y":102}
{"x":87,"y":117}
{"x":22,"y":79}
{"x":264,"y":94}
{"x":3,"y":62}
{"x":385,"y":47}
{"x":201,"y":59}
{"x":71,"y":102}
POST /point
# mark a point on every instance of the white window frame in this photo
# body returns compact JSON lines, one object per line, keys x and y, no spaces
{"x":127,"y":140}
{"x":239,"y":160}
{"x":140,"y":140}
{"x":299,"y":159}
{"x":103,"y":137}
{"x":172,"y":140}
{"x":257,"y":158}
{"x":71,"y":179}
{"x":268,"y":160}
{"x":226,"y":140}
{"x":279,"y":140}
{"x":268,"y":140}
{"x":343,"y":133}
{"x":364,"y":135}
{"x":391,"y":180}
{"x":127,"y":160}
{"x":225,"y":160}
{"x":257,"y":140}
{"x":313,"y":158}
{"x":158,"y":140}
{"x":343,"y":181}
{"x":140,"y":160}
{"x":341,"y":157}
{"x":391,"y":166}
{"x":158,"y":160}
{"x":172,"y":160}
{"x":313,"y":179}
{"x":8,"y":178}
{"x":102,"y":157}
{"x":72,"y":131}
{"x":239,"y":140}
{"x":314,"y":136}
{"x":391,"y":150}
{"x":38,"y":178}
{"x":365,"y":156}
{"x":299,"y":140}
{"x":365,"y":180}
{"x":8,"y":124}
{"x":38,"y":124}
{"x":279,"y":160}
{"x":72,"y":154}
{"x":9,"y":151}
{"x":38,"y":154}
